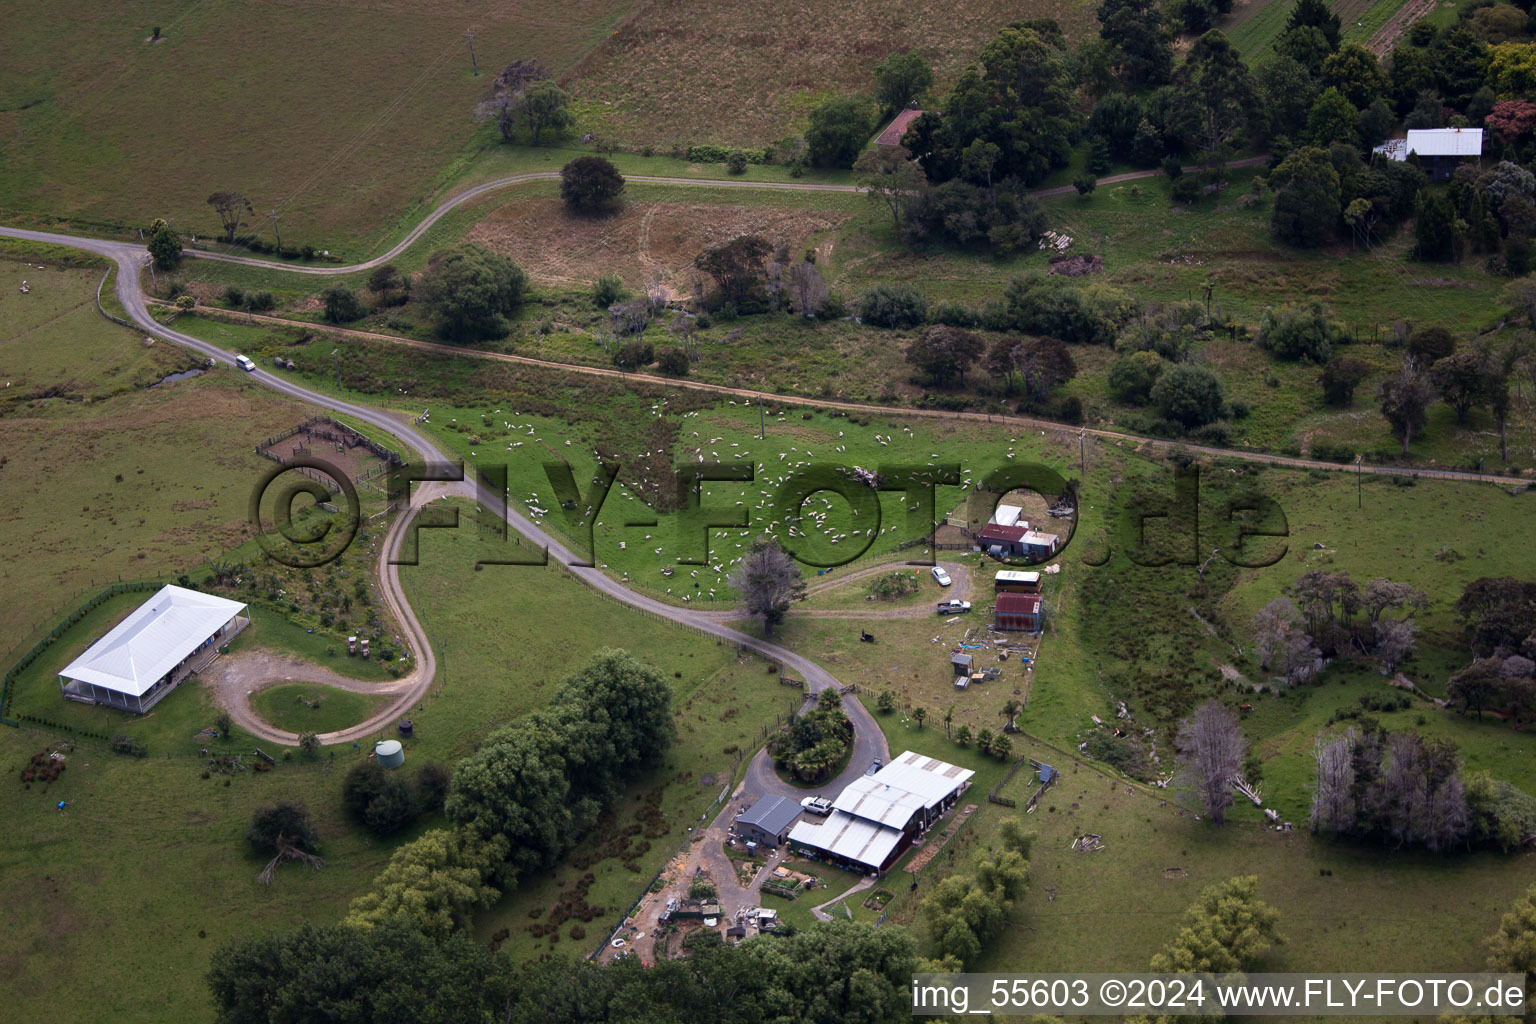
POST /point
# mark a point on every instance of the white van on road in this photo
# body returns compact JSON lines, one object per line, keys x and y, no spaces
{"x":244,"y":362}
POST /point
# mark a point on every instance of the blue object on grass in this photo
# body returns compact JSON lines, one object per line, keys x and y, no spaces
{"x":61,"y":805}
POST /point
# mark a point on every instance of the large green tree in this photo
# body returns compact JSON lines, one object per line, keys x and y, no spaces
{"x":1227,"y":929}
{"x":1306,"y":197}
{"x":591,"y":184}
{"x":1316,"y":14}
{"x":472,"y":290}
{"x":1135,"y":28}
{"x":1188,"y":394}
{"x":436,"y":881}
{"x":1214,"y":101}
{"x":1353,"y":71}
{"x":839,"y":128}
{"x":901,"y":79}
{"x":943,"y":354}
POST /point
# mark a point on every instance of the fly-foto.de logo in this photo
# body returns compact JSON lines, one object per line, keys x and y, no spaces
{"x":1175,"y":527}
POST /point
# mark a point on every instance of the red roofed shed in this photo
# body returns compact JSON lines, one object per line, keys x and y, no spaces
{"x":897,"y":128}
{"x":1009,"y":538}
{"x":1018,"y":612}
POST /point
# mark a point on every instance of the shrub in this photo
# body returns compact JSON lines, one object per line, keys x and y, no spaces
{"x":736,"y":163}
{"x":702,"y":889}
{"x":1300,"y":332}
{"x":893,"y":306}
{"x":608,"y":290}
{"x":377,"y":798}
{"x":260,"y":302}
{"x":275,"y":825}
{"x":234,"y":296}
{"x":342,"y":304}
{"x":124,"y":744}
{"x":432,"y":782}
{"x":954,"y":314}
{"x":633,"y":354}
{"x":673,"y":362}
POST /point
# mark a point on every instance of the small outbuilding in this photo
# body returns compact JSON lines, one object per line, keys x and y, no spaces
{"x":1017,"y":613}
{"x":768,"y":821}
{"x":1440,"y":150}
{"x":1040,"y":546}
{"x":961,"y":663}
{"x":1001,"y":541}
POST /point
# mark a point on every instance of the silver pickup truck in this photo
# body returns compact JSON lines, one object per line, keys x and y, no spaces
{"x":954,"y":607}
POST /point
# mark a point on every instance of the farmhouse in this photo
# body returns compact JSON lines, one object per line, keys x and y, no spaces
{"x":1440,"y":150}
{"x":893,"y":132}
{"x":767,"y":822}
{"x":150,"y":652}
{"x":1001,"y":541}
{"x":1017,"y":612}
{"x":877,"y":817}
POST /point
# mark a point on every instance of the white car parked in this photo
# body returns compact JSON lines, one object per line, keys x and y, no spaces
{"x":940,"y":575}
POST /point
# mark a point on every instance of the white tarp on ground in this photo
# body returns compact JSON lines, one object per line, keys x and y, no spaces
{"x":154,"y":639}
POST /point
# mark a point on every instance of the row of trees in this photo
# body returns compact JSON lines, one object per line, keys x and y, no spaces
{"x":965,"y":912}
{"x":830,"y":973}
{"x":542,"y":781}
{"x":1404,"y":790}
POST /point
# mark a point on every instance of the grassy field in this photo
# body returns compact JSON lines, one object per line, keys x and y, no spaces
{"x":1254,"y":25}
{"x":308,"y":707}
{"x":102,"y":478}
{"x":395,"y":121}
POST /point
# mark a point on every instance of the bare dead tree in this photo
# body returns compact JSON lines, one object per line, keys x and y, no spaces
{"x":1394,"y":642}
{"x":808,"y":292}
{"x":1333,"y":802}
{"x":767,"y":579}
{"x":1450,"y":819}
{"x":685,"y":330}
{"x":655,"y":289}
{"x":286,"y":850}
{"x":1211,"y":745}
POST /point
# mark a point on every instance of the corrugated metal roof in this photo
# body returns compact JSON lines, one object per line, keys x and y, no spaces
{"x":772,"y":814}
{"x":1007,"y":515}
{"x":1446,"y":141}
{"x":1018,"y":604}
{"x":857,"y":839}
{"x":897,"y":128}
{"x":1000,"y":532}
{"x":871,"y":799}
{"x":152,"y":640}
{"x":1044,"y":540}
{"x":1015,"y":576}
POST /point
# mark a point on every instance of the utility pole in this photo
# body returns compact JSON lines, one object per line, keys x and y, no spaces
{"x":762,"y":426}
{"x":153,"y":283}
{"x":472,"y":63}
{"x":1082,"y":450}
{"x":336,"y":363}
{"x":278,"y":233}
{"x":1359,"y":480}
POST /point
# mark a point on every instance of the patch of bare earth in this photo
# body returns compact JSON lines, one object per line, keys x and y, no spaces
{"x":642,"y":239}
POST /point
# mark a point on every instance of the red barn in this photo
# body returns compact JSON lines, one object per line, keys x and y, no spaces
{"x":1007,"y":540}
{"x":1018,"y":612}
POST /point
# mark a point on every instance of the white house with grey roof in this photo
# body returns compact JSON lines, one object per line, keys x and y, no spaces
{"x":1440,"y":150}
{"x":150,"y":652}
{"x":877,"y":817}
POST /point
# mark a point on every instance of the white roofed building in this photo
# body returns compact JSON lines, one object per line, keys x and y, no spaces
{"x":1439,"y":150}
{"x":878,"y":816}
{"x":150,"y":652}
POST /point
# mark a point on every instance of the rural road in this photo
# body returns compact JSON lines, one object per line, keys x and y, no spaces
{"x":130,"y":258}
{"x":469,"y":195}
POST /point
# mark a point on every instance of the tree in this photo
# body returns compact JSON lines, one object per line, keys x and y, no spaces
{"x":1002,"y":746}
{"x":634,"y":354}
{"x":543,"y":106}
{"x":472,"y":290}
{"x":768,"y":580}
{"x":1333,"y":801}
{"x":342,"y":305}
{"x":984,"y":741}
{"x":1477,"y":685}
{"x":673,"y":361}
{"x":617,"y":718}
{"x":737,"y":268}
{"x":223,"y":724}
{"x":919,"y":714}
{"x":1136,"y":31}
{"x":1211,"y":750}
{"x":164,"y":247}
{"x":333,"y":973}
{"x":1039,"y":364}
{"x":1287,"y":91}
{"x":387,"y":279}
{"x":1340,"y":377}
{"x":1132,"y":376}
{"x":902,"y":78}
{"x":1304,"y":332}
{"x":591,"y":184}
{"x":1462,"y":380}
{"x":808,"y":292}
{"x":1497,"y":611}
{"x":894,"y":306}
{"x":231,"y":207}
{"x":1512,"y":949}
{"x":889,"y":178}
{"x":886,"y":702}
{"x":436,"y":882}
{"x":432,"y":783}
{"x":1393,"y":642}
{"x":1512,"y":120}
{"x":838,"y":129}
{"x":1187,"y":394}
{"x":1214,"y":99}
{"x":963,"y":737}
{"x":1429,"y":345}
{"x":1354,"y":72}
{"x":943,"y":353}
{"x":274,"y":827}
{"x":1307,"y":46}
{"x":1227,"y":929}
{"x":1512,"y":70}
{"x":1435,"y":232}
{"x":1333,"y":119}
{"x":377,"y":798}
{"x":504,"y":101}
{"x":1011,"y":709}
{"x":1376,"y":122}
{"x":1306,"y":197}
{"x":1316,"y":14}
{"x":1404,"y":400}
{"x":1085,"y":183}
